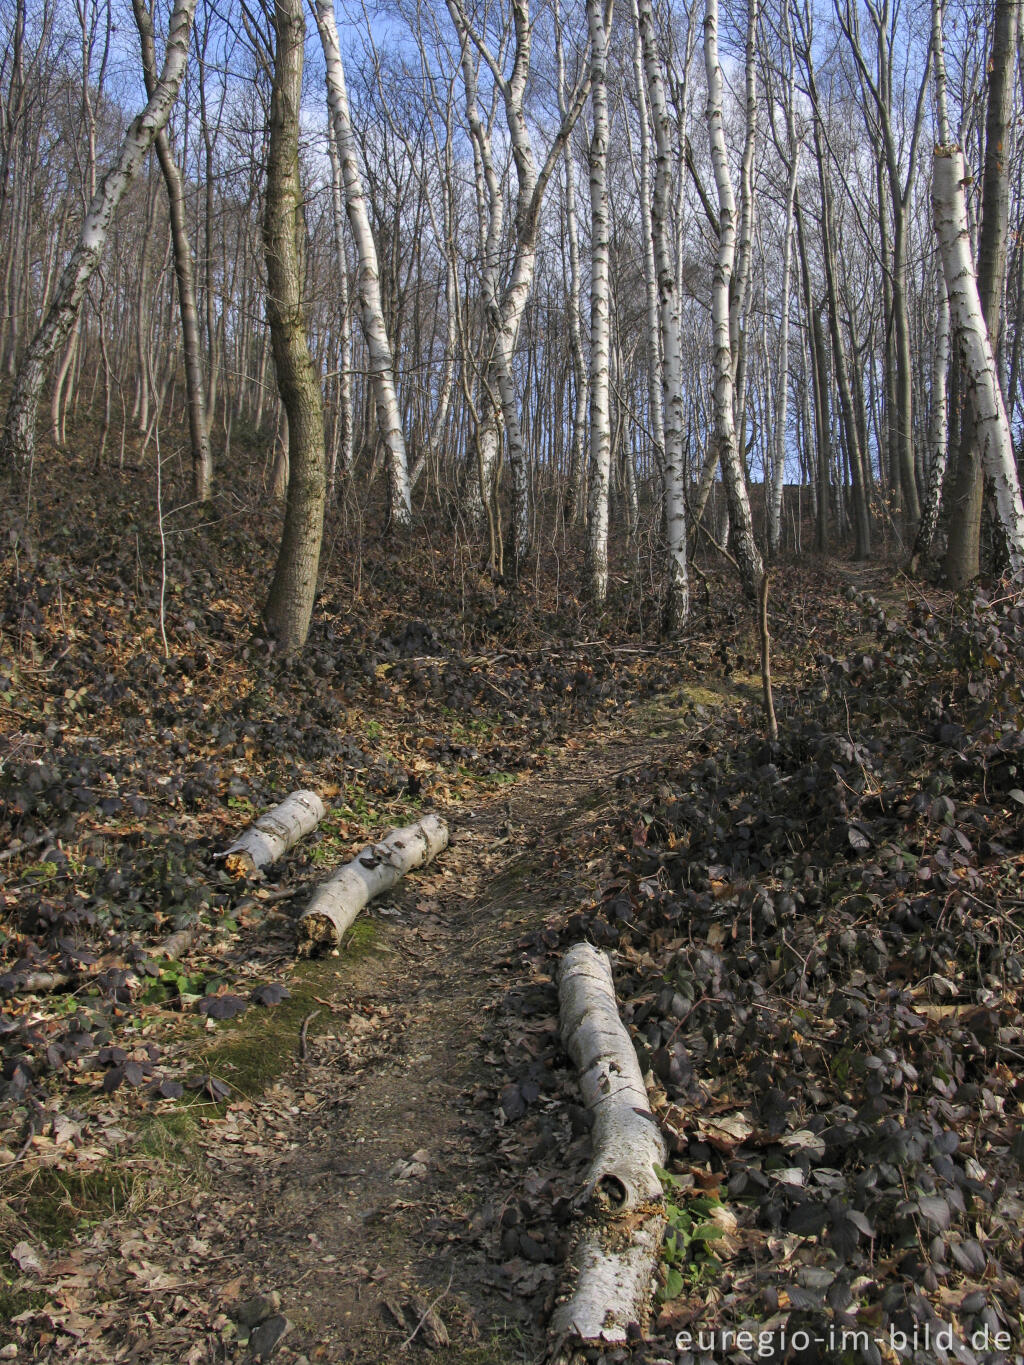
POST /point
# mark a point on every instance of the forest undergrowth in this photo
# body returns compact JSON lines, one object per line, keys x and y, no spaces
{"x":819,"y":946}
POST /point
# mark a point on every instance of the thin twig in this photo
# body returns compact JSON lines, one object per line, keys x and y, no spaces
{"x":15,"y":849}
{"x":430,"y":1308}
{"x":302,"y":1035}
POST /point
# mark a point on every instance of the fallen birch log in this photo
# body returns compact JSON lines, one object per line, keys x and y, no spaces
{"x":616,"y":1252}
{"x":274,"y":833}
{"x":337,"y":901}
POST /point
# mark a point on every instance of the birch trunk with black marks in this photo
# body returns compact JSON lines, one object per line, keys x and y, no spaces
{"x":677,"y":588}
{"x":733,"y":473}
{"x":289,"y":605}
{"x":962,"y":562}
{"x":371,"y":310}
{"x":341,"y":452}
{"x":573,"y":498}
{"x":655,"y":364}
{"x":274,"y":833}
{"x":938,"y":435}
{"x":616,"y":1253}
{"x":337,"y":901}
{"x":969,"y":327}
{"x":600,"y":308}
{"x":739,"y":301}
{"x":17,"y":443}
{"x":506,"y":306}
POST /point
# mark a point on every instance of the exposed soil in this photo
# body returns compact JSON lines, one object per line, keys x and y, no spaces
{"x":361,"y":1186}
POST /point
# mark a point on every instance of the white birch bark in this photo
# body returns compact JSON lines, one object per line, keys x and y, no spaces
{"x":490,"y":206}
{"x":733,"y":474}
{"x":341,"y":455}
{"x":677,"y":596}
{"x":938,"y":433}
{"x":371,"y":311}
{"x":967,"y":320}
{"x":507,"y":307}
{"x":600,"y":308}
{"x":17,"y":444}
{"x":274,"y":833}
{"x":573,"y":502}
{"x":974,"y":348}
{"x":740,"y":285}
{"x":654,"y":356}
{"x":782,"y":392}
{"x":616,"y":1254}
{"x":337,"y":901}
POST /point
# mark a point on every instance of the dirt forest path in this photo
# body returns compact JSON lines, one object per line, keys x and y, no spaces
{"x":366,"y":1218}
{"x":357,"y":1193}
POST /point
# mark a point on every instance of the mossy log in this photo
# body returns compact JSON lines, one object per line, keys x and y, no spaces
{"x":337,"y":901}
{"x":617,"y":1244}
{"x":274,"y":833}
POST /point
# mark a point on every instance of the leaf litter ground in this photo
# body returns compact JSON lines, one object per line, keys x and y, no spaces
{"x":818,"y":953}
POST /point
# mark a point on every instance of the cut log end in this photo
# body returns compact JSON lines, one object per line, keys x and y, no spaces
{"x":239,"y":865}
{"x":317,"y":936}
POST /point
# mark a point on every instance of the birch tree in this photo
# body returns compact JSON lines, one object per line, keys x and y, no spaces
{"x":17,"y":443}
{"x":506,"y":304}
{"x":967,"y":319}
{"x":389,"y":421}
{"x":962,"y":561}
{"x":938,"y":433}
{"x":598,"y":23}
{"x":677,"y":596}
{"x":733,"y":473}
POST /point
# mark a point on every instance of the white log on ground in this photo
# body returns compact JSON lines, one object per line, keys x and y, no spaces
{"x":616,"y":1253}
{"x":337,"y":901}
{"x":274,"y":833}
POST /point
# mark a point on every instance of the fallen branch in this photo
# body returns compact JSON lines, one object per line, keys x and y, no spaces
{"x":616,"y":1252}
{"x":23,"y":845}
{"x":337,"y":901}
{"x":274,"y":833}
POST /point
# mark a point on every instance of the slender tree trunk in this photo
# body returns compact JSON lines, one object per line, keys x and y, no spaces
{"x":573,"y":497}
{"x":677,"y":594}
{"x":600,"y":308}
{"x":968,"y":323}
{"x":342,"y":453}
{"x":17,"y":443}
{"x":202,"y":456}
{"x":939,"y":434}
{"x":861,"y":517}
{"x":962,"y":561}
{"x":655,"y":397}
{"x":289,"y":605}
{"x":389,"y":420}
{"x":733,"y":474}
{"x":782,"y":392}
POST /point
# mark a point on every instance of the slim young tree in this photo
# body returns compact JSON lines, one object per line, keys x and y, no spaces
{"x":17,"y":443}
{"x":289,"y":605}
{"x":382,"y":371}
{"x":969,"y":328}
{"x":962,"y":562}
{"x":733,"y":473}
{"x":677,"y":597}
{"x":199,"y":432}
{"x":598,"y":22}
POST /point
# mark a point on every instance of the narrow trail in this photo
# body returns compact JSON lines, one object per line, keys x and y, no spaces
{"x":353,"y":1187}
{"x":368,"y":1219}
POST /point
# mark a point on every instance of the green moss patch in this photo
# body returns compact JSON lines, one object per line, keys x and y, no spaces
{"x":252,"y":1051}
